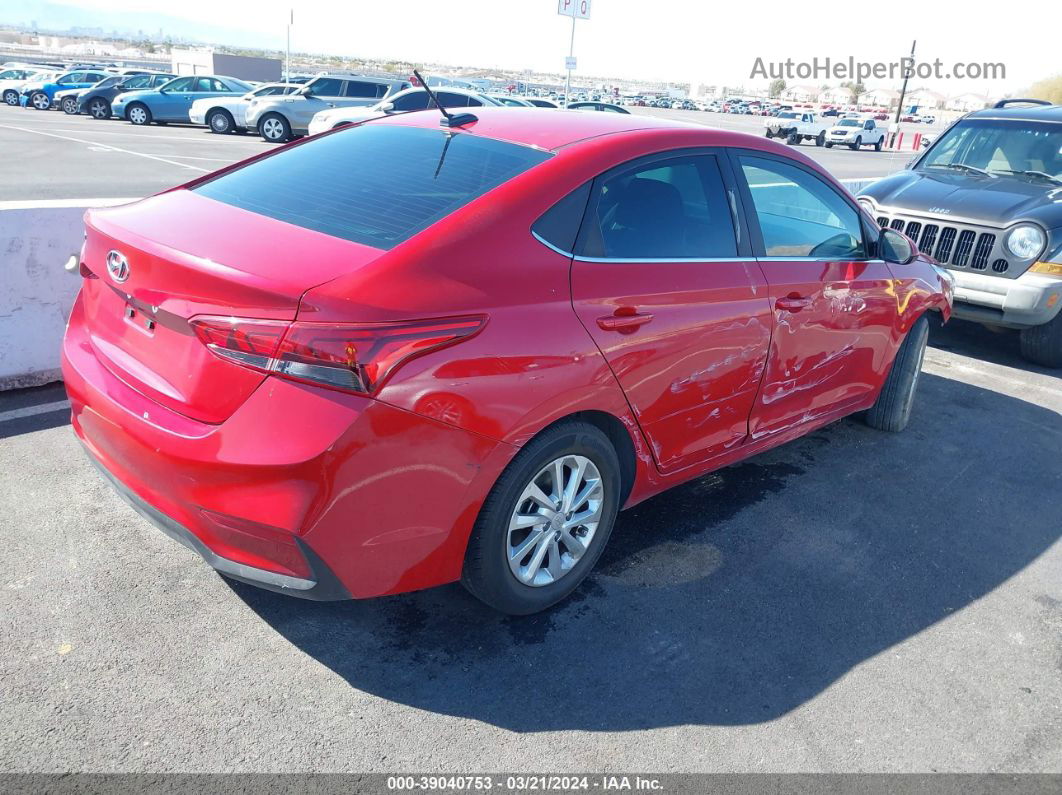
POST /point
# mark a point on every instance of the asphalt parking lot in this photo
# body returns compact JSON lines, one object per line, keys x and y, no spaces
{"x":851,"y":602}
{"x":77,"y":157}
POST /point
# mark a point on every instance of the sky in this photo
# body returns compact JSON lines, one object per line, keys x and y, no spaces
{"x":678,"y":40}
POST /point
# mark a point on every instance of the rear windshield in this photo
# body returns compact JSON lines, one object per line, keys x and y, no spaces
{"x":375,"y":185}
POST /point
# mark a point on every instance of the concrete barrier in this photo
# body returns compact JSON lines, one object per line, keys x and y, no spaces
{"x":36,"y":240}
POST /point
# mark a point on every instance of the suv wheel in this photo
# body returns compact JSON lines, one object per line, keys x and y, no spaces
{"x":70,"y":106}
{"x":274,"y":128}
{"x":1042,"y":345}
{"x":858,"y":143}
{"x":220,"y":121}
{"x":820,"y":139}
{"x":793,"y":139}
{"x":892,"y":410}
{"x":99,"y":108}
{"x":40,"y":100}
{"x":545,"y":522}
{"x":878,"y":145}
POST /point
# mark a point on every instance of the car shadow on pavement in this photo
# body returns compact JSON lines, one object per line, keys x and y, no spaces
{"x":735,"y":598}
{"x":974,"y":340}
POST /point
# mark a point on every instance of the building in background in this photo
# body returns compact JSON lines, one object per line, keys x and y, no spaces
{"x":208,"y":62}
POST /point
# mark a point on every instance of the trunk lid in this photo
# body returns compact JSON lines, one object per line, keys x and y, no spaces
{"x":186,"y":256}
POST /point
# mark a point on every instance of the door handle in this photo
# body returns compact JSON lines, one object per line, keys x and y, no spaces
{"x":792,"y":303}
{"x":623,"y":323}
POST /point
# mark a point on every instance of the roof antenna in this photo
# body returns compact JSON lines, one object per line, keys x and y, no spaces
{"x":448,"y":119}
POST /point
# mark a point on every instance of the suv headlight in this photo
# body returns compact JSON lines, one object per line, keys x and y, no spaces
{"x":1025,"y":241}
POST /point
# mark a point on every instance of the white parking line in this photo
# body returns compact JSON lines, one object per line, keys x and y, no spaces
{"x":32,"y":411}
{"x":52,"y":204}
{"x":113,"y":148}
{"x":204,"y":138}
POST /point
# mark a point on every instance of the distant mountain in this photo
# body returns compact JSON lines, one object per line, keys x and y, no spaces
{"x":60,"y":17}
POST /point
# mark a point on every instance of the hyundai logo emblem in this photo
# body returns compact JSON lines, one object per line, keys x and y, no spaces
{"x":117,"y":266}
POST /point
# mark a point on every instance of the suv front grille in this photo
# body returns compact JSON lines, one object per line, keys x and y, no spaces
{"x":959,"y":246}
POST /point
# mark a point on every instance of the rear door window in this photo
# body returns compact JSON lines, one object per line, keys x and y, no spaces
{"x":374,"y":184}
{"x":327,"y":87}
{"x":364,"y":90}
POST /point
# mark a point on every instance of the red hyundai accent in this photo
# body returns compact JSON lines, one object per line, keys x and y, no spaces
{"x":402,"y":354}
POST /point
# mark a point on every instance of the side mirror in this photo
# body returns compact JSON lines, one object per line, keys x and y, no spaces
{"x":387,"y":107}
{"x":305,"y":91}
{"x":895,"y":247}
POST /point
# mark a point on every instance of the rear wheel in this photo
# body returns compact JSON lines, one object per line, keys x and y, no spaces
{"x":1043,"y":344}
{"x":892,"y":410}
{"x":274,"y":128}
{"x":138,"y":114}
{"x":878,"y":145}
{"x":70,"y":105}
{"x":40,"y":100}
{"x":11,"y":97}
{"x":545,"y":522}
{"x":99,"y":108}
{"x":220,"y":121}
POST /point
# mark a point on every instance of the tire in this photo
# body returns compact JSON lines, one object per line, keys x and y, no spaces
{"x":892,"y":410}
{"x":139,"y":114}
{"x":39,"y":101}
{"x":11,"y":97}
{"x":793,"y":139}
{"x":1042,"y":344}
{"x":69,"y":106}
{"x":513,"y":583}
{"x":220,"y":121}
{"x":99,"y":108}
{"x":857,"y":143}
{"x":829,"y":145}
{"x":820,"y":139}
{"x":769,"y":134}
{"x":274,"y":128}
{"x":878,"y":145}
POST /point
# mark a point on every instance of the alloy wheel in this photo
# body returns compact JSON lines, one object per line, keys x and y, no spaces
{"x":70,"y":105}
{"x":555,"y":520}
{"x":40,"y":101}
{"x":219,"y":122}
{"x":273,"y":129}
{"x":10,"y":97}
{"x":98,"y":109}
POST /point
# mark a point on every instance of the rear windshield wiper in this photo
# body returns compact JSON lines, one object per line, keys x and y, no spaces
{"x":961,"y":167}
{"x":1029,"y":173}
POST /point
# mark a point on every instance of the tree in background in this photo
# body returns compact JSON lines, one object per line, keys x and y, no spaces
{"x":1050,"y":88}
{"x":857,"y":89}
{"x":777,"y":87}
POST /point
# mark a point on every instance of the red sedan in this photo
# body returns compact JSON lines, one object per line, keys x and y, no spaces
{"x":402,"y":354}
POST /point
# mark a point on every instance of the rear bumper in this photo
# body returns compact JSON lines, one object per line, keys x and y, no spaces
{"x":322,"y":585}
{"x":1029,"y":300}
{"x":377,"y":500}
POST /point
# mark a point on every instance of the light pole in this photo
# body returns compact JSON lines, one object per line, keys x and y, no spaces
{"x":571,"y":55}
{"x":287,"y":58}
{"x":903,"y":93}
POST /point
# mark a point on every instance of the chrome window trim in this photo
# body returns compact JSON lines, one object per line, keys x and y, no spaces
{"x":549,"y":245}
{"x":636,"y":260}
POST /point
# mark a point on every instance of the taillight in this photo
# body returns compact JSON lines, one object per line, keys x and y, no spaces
{"x":356,"y":358}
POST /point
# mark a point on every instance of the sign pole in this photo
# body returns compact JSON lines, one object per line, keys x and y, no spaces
{"x":571,"y":54}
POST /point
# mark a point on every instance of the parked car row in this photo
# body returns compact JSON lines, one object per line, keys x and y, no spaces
{"x":276,"y":111}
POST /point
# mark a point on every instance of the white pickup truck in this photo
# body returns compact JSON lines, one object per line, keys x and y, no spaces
{"x":796,"y":126}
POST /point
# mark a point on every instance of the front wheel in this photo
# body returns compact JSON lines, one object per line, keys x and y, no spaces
{"x":892,"y":410}
{"x":138,"y":114}
{"x":70,"y":106}
{"x":857,"y":143}
{"x":274,"y":128}
{"x":99,"y":108}
{"x":1043,"y":344}
{"x":769,"y":134}
{"x":793,"y":139}
{"x":220,"y":121}
{"x":545,"y":522}
{"x":829,"y":145}
{"x":40,"y":100}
